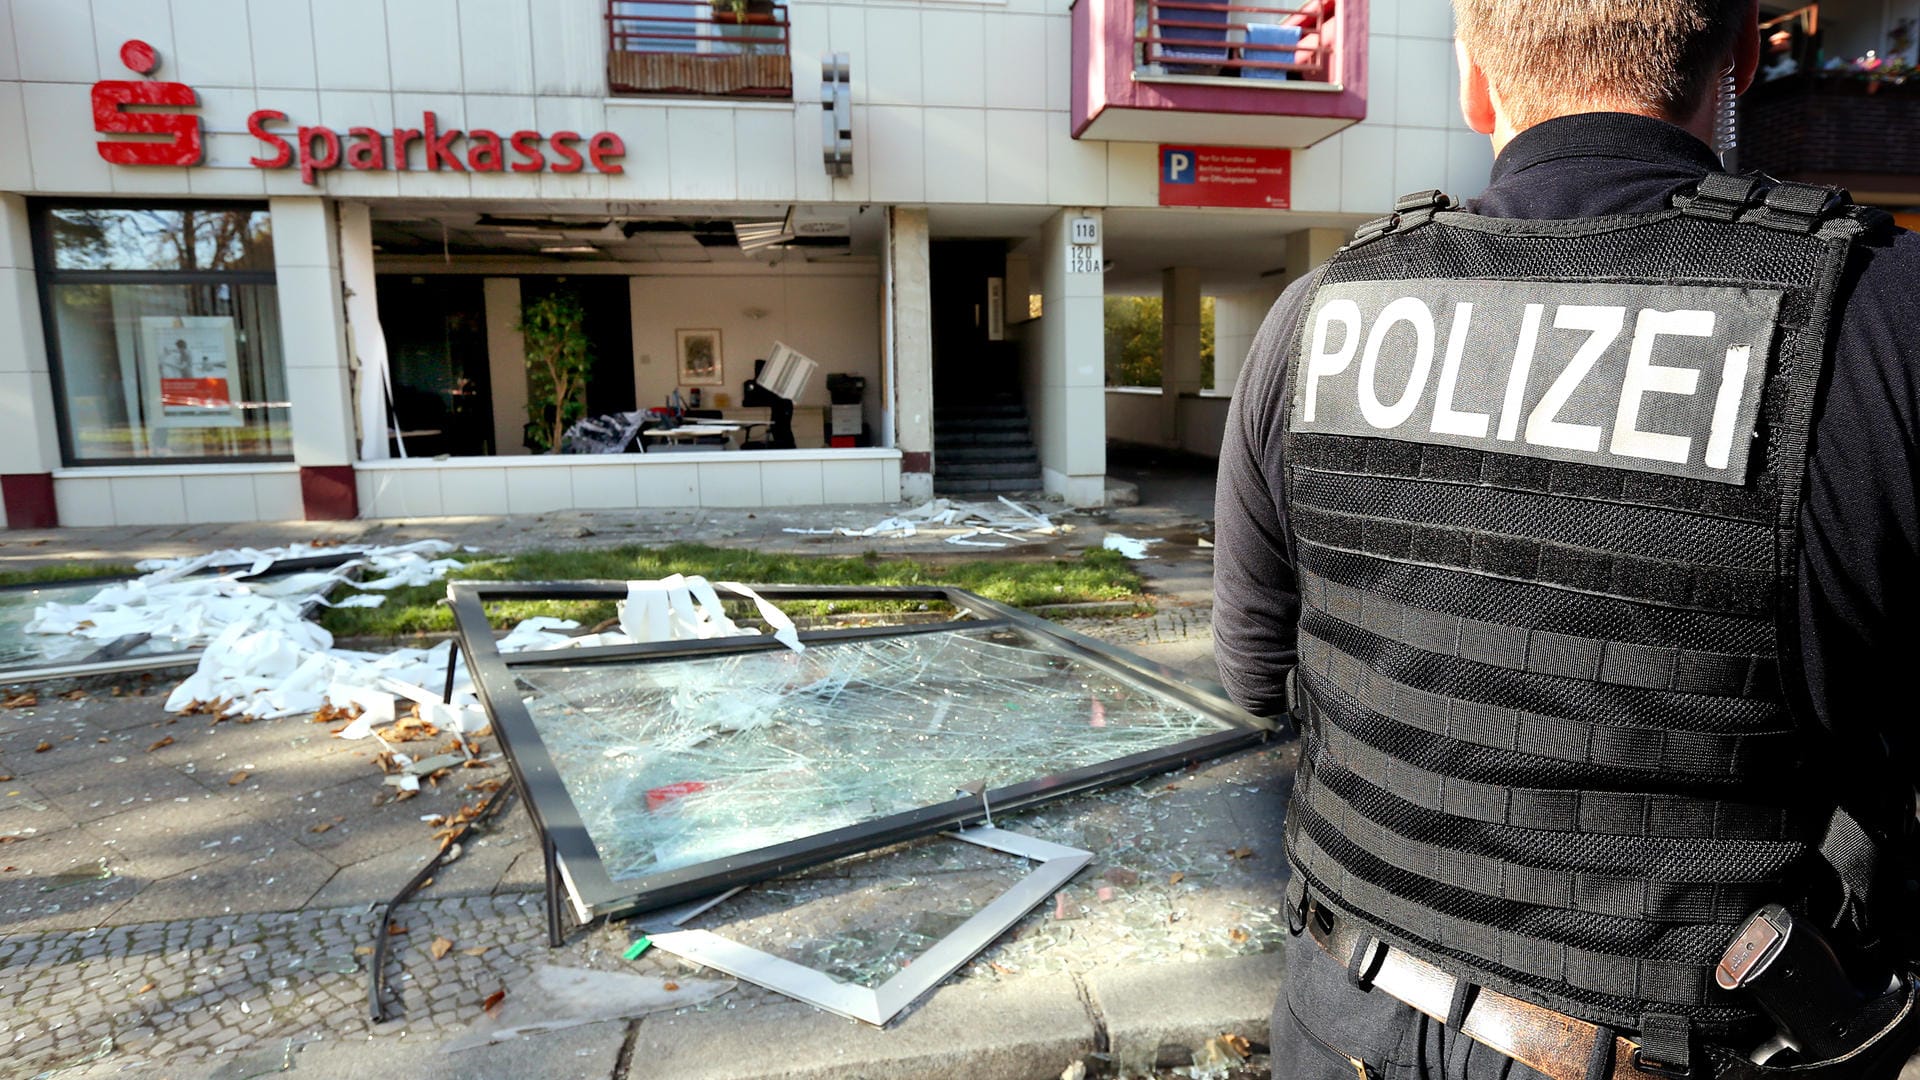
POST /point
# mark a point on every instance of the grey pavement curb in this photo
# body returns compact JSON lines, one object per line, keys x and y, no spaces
{"x":1160,"y":1015}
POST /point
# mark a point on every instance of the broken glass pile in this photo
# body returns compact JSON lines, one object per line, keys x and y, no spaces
{"x":19,"y":649}
{"x":676,"y":762}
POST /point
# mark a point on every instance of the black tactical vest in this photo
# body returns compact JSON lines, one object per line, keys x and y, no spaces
{"x":1543,"y":480}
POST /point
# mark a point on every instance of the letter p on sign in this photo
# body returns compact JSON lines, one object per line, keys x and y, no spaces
{"x":1176,"y":166}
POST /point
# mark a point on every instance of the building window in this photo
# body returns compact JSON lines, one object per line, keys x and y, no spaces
{"x":163,"y":327}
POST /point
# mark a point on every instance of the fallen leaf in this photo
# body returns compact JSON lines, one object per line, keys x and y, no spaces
{"x":21,"y":701}
{"x":4,"y":779}
{"x":1241,"y":852}
{"x":493,"y":1001}
{"x":75,"y":695}
{"x":43,"y":747}
{"x":363,"y":950}
{"x":322,"y":827}
{"x":670,"y":987}
{"x":238,"y":778}
{"x":1237,"y":935}
{"x":145,"y":988}
{"x":440,"y":947}
{"x":1176,"y":877}
{"x":394,"y":929}
{"x":477,"y":950}
{"x":1239,"y":1043}
{"x":404,"y":796}
{"x":168,"y":741}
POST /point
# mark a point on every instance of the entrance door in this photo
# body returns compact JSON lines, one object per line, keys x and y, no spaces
{"x":436,"y":330}
{"x":609,"y":326}
{"x":967,"y":367}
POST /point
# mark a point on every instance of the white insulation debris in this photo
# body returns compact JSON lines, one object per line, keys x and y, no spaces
{"x":1129,"y":546}
{"x":990,"y":525}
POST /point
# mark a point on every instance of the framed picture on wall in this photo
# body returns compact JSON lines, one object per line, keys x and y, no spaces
{"x":700,"y":360}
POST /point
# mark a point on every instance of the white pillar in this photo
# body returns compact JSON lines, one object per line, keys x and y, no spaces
{"x":313,"y":328}
{"x":29,"y":437}
{"x":909,"y":347}
{"x":1066,"y":388}
{"x":372,"y":381}
{"x":1179,"y":345}
{"x":1309,"y":248}
{"x":506,"y":364}
{"x":1236,"y":321}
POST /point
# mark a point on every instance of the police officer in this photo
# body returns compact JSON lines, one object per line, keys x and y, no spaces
{"x":1590,"y":512}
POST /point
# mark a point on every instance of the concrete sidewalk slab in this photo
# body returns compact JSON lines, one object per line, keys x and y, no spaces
{"x":1025,"y":1030}
{"x":1154,"y":1015}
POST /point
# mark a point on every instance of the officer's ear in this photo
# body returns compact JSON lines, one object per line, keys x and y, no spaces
{"x":1476,"y":96}
{"x":1746,"y":48}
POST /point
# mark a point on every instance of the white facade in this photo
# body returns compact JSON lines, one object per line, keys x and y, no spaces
{"x":961,"y":131}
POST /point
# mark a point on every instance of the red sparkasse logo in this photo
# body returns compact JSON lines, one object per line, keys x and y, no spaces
{"x":316,"y":149}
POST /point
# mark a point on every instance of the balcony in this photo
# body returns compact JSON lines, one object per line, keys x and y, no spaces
{"x":726,"y":48}
{"x":1283,"y":73}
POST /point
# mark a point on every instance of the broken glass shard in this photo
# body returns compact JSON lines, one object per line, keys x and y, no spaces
{"x":683,"y":761}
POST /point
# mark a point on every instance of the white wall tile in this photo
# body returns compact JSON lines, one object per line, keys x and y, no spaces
{"x":852,"y":482}
{"x":730,"y":484}
{"x":953,"y":58}
{"x":344,"y":109}
{"x":896,"y":155}
{"x":16,"y":168}
{"x":890,"y":480}
{"x":9,"y":66}
{"x":858,"y":187}
{"x":1423,"y":69}
{"x":810,"y":180}
{"x":661,"y":481}
{"x":1383,"y":16}
{"x":27,"y":441}
{"x":603,"y":487}
{"x":956,"y":149}
{"x":211,"y":44}
{"x":1017,"y":155}
{"x":219,"y":498}
{"x":1059,"y":63}
{"x":808,"y":34}
{"x":569,"y":49}
{"x":538,"y":491}
{"x":1133,"y":174}
{"x":1316,"y":176}
{"x":399,"y":493}
{"x":502,"y":114}
{"x":466,"y":492}
{"x":586,"y":116}
{"x":646,"y":172}
{"x":118,"y":21}
{"x":276,"y":497}
{"x":847,"y":33}
{"x":700,"y":148}
{"x":791,"y":483}
{"x":1426,"y":18}
{"x":53,"y":41}
{"x":1076,"y":168}
{"x":83,"y":503}
{"x":423,"y":45}
{"x":892,"y":60}
{"x":350,"y":45}
{"x":494,"y":53}
{"x":140,"y":180}
{"x":59,"y":116}
{"x":763,"y":155}
{"x":1419,"y":160}
{"x":322,"y":416}
{"x":232,"y":175}
{"x":147,"y":500}
{"x":1016,"y":47}
{"x":303,"y":235}
{"x":282,"y":34}
{"x":1383,"y":79}
{"x":1366,"y":167}
{"x":1469,"y":161}
{"x":21,"y":346}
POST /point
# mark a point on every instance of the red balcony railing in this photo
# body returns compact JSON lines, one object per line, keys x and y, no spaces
{"x":719,"y":49}
{"x":1235,"y":40}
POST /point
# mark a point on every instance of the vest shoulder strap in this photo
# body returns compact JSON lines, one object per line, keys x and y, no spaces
{"x":1409,"y":212}
{"x":1781,"y":205}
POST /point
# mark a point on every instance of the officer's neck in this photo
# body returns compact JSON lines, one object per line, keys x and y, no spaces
{"x":1699,"y":123}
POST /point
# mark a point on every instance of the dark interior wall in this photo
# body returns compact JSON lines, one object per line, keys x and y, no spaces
{"x":967,"y":366}
{"x":610,"y":327}
{"x":436,"y":333}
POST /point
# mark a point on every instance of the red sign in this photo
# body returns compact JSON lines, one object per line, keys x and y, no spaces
{"x":319,"y":149}
{"x":1247,"y":176}
{"x":195,"y":393}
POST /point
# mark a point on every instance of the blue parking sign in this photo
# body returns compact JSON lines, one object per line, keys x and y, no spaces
{"x":1177,"y":165}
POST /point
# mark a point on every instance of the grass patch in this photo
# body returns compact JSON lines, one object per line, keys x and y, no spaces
{"x":67,"y":571}
{"x":1095,"y":576}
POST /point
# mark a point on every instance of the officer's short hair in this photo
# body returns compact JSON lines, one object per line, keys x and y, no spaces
{"x":1546,"y":58}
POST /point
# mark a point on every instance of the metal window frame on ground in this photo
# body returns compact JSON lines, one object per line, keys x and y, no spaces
{"x":571,"y":862}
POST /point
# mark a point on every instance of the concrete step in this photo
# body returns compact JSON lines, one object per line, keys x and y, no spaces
{"x":961,"y":455}
{"x":949,"y":439}
{"x":983,"y":487}
{"x":980,"y":423}
{"x":968,"y":411}
{"x":987,"y":470}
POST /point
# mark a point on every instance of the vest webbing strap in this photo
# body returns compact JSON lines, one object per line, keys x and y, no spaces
{"x":1517,"y":648}
{"x":1622,"y":896}
{"x":1609,"y":813}
{"x":1654,"y":751}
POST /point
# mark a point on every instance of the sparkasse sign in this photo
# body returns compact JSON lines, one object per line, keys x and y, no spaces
{"x":1244,"y":176}
{"x":316,"y":148}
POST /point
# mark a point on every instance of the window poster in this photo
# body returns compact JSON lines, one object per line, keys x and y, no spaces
{"x":191,"y":359}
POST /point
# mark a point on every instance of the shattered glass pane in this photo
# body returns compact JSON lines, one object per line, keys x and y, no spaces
{"x":21,"y":649}
{"x":678,"y":762}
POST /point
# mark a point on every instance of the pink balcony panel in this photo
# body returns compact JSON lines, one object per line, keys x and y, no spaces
{"x":1283,"y":73}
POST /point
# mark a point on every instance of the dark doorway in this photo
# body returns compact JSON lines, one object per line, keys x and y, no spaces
{"x":967,"y":366}
{"x":609,"y":325}
{"x":436,"y":331}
